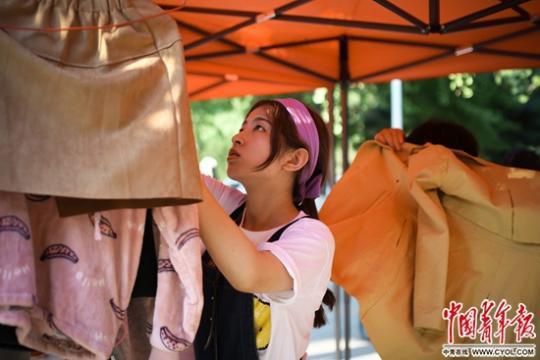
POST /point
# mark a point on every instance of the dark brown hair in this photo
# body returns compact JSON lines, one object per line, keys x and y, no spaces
{"x":446,"y":133}
{"x":285,"y":136}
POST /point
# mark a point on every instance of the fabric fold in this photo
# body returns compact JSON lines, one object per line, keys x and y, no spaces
{"x":179,"y":298}
{"x":67,"y":291}
{"x":71,"y":294}
{"x":91,"y":116}
{"x":420,"y":228}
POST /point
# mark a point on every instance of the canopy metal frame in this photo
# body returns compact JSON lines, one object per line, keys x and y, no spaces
{"x":417,"y":26}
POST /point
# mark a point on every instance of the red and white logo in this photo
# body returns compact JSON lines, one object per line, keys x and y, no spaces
{"x":488,"y":327}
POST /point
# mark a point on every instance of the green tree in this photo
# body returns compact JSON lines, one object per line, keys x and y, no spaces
{"x":501,"y":109}
{"x":214,"y":123}
{"x":498,"y":108}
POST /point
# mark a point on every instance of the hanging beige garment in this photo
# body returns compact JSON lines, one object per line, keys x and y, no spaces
{"x":99,"y":114}
{"x":417,"y":229}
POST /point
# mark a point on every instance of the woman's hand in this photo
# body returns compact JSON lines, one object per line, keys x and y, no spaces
{"x":391,"y":137}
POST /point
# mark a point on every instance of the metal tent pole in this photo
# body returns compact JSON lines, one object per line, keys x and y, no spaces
{"x":331,"y":177}
{"x":344,"y":78}
{"x":337,"y":323}
{"x":396,"y":102}
{"x":331,"y":182}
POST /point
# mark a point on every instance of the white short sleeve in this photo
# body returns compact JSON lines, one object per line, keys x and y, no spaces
{"x":227,"y":197}
{"x":306,"y":250}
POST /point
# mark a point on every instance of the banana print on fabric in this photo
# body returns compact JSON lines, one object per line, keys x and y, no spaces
{"x":261,"y":318}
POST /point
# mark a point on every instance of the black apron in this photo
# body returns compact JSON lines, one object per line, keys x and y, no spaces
{"x":226,"y":330}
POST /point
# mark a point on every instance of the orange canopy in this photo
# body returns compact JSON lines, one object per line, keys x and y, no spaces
{"x":260,"y":47}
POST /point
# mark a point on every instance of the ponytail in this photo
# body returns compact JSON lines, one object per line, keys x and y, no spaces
{"x":320,"y":317}
{"x":308,"y":206}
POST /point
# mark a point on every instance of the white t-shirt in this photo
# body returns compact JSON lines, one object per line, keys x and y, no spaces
{"x":306,"y":250}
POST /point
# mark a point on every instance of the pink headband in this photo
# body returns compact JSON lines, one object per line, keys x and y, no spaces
{"x":309,"y":185}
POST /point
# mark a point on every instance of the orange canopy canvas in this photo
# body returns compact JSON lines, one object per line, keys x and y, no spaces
{"x":236,"y":48}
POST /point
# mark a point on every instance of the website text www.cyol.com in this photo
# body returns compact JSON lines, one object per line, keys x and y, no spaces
{"x":489,"y":350}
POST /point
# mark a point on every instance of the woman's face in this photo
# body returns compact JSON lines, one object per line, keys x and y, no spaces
{"x":250,"y":146}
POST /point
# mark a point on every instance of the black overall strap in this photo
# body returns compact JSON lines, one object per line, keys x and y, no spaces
{"x":237,"y":214}
{"x":277,"y":235}
{"x":226,"y":328}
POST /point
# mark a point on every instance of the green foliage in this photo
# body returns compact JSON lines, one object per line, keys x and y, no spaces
{"x":498,"y":108}
{"x":214,"y":123}
{"x":501,"y":109}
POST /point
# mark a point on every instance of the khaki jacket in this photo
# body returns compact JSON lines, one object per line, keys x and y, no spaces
{"x":419,"y":228}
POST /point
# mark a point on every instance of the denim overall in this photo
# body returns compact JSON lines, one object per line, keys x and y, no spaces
{"x":226,"y":330}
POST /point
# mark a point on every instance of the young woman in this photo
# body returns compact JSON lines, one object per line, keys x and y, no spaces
{"x":268,"y":260}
